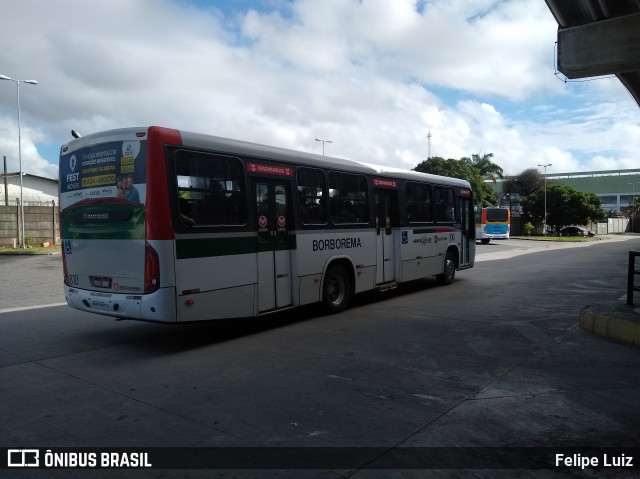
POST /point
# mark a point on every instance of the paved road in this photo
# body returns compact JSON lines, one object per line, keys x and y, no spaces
{"x":36,"y":280}
{"x":503,"y":249}
{"x":30,"y":280}
{"x":496,"y":359}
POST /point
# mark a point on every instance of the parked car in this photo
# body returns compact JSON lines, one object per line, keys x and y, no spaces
{"x":576,"y":231}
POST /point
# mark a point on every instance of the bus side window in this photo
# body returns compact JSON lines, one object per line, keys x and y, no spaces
{"x":311,"y":196}
{"x":213,"y":186}
{"x":332,"y":207}
{"x":349,"y":203}
{"x":304,"y":213}
{"x":444,"y":208}
{"x":346,"y":213}
{"x":213,"y":208}
{"x":186,"y":212}
{"x":418,"y":203}
{"x":234,"y":208}
{"x":310,"y":212}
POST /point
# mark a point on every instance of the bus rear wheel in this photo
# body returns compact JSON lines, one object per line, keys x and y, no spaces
{"x":485,"y":240}
{"x":336,"y":290}
{"x":449,"y":273}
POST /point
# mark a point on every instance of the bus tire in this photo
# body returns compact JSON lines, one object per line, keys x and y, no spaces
{"x":485,"y":240}
{"x":449,"y":273}
{"x":336,"y":290}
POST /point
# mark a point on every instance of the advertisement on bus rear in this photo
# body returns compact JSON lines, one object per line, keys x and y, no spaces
{"x":108,"y":170}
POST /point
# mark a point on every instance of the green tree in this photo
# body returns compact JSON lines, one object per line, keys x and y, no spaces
{"x":525,"y":183}
{"x":565,"y":206}
{"x":485,"y":166}
{"x":482,"y":193}
{"x":528,"y":228}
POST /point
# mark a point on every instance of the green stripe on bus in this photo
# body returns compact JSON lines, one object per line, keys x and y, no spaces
{"x":206,"y":247}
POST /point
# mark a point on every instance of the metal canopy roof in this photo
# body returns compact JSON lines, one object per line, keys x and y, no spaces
{"x":599,"y":37}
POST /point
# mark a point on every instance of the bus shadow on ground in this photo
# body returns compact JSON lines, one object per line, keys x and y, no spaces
{"x":157,"y":338}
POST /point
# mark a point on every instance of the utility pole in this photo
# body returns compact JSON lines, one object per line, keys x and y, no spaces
{"x":23,"y":245}
{"x":428,"y":144}
{"x":544,"y":221}
{"x":6,"y":185}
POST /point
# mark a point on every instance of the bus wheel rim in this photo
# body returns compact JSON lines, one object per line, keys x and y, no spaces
{"x":449,"y":268}
{"x":335,"y":291}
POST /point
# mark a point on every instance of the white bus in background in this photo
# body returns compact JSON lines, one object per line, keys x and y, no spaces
{"x":165,"y":225}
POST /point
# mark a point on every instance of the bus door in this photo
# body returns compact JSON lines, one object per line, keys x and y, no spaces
{"x":273,"y":219}
{"x":387,"y":216}
{"x":468,"y":230}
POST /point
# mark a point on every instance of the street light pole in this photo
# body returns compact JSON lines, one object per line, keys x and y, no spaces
{"x":323,"y":142}
{"x":544,"y":221}
{"x":23,"y":244}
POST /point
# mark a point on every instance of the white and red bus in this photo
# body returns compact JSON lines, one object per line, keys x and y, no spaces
{"x":165,"y":225}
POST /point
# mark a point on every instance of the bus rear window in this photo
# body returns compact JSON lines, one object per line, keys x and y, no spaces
{"x":497,"y":214}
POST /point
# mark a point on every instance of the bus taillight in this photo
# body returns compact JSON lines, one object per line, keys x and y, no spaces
{"x":151,"y":269}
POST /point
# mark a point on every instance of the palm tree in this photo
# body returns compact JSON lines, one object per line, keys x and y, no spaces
{"x":485,"y":166}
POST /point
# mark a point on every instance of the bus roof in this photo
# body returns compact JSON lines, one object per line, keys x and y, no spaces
{"x":266,"y":152}
{"x":311,"y":159}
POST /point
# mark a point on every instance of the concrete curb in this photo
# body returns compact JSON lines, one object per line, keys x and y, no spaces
{"x":610,"y":327}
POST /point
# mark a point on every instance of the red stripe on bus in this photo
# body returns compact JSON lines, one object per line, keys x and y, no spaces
{"x":158,"y":212}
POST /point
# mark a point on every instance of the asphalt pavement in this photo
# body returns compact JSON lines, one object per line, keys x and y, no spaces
{"x":495,"y":360}
{"x":613,"y":319}
{"x":30,"y":280}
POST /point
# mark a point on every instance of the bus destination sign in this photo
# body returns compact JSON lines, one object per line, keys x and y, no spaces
{"x":385,"y":183}
{"x":269,"y":169}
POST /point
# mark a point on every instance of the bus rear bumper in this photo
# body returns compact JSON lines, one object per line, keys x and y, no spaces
{"x":158,"y":306}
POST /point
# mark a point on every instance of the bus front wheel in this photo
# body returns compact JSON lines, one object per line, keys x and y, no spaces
{"x":336,"y":291}
{"x":449,"y":273}
{"x":485,"y":240}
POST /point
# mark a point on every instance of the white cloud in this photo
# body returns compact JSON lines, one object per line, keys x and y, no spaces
{"x":32,"y":162}
{"x":374,"y":77}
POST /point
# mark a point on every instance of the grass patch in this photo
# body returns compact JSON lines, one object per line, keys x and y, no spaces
{"x":563,"y":239}
{"x":55,"y":249}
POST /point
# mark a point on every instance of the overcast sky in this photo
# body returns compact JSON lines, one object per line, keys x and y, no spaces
{"x":372,"y":76}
